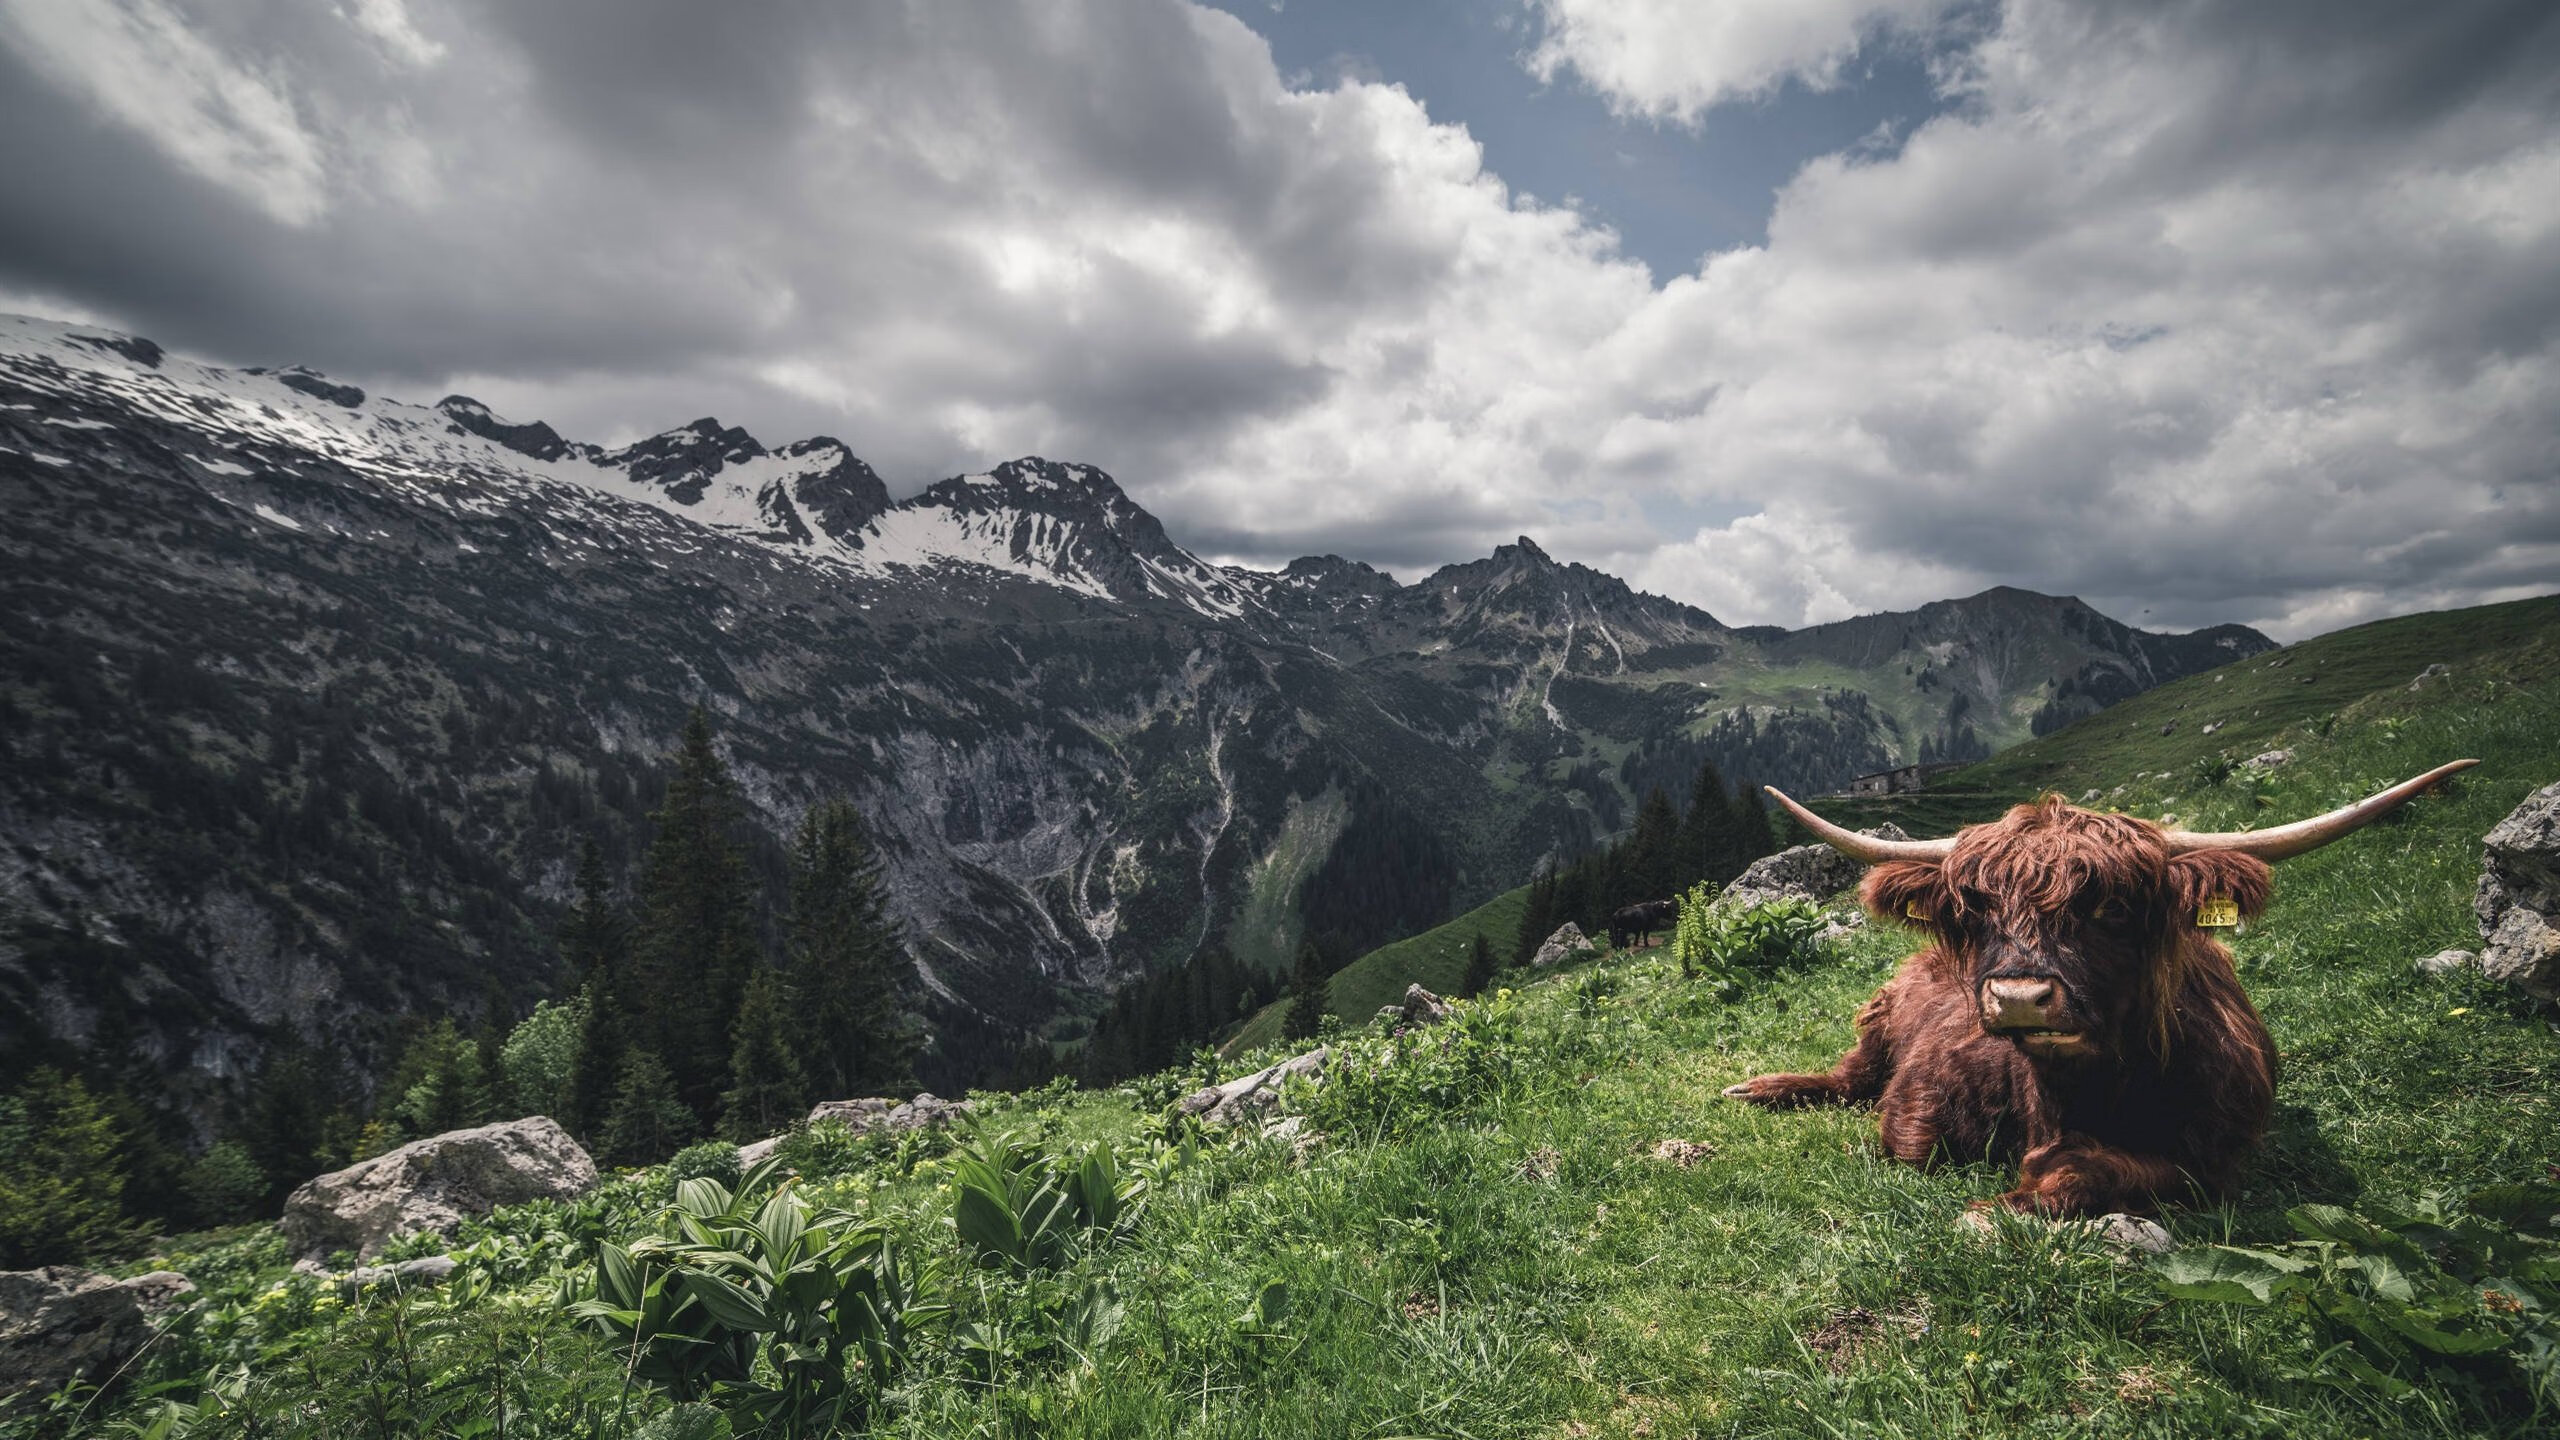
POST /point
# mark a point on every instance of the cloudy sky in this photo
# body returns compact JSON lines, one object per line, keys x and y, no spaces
{"x":1790,"y":308}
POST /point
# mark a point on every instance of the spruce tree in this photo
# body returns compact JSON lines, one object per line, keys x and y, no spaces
{"x":647,"y":1121}
{"x":1752,"y":835}
{"x":695,"y":948}
{"x":1652,"y":851}
{"x":1708,"y":842}
{"x":1480,"y":970}
{"x":767,"y":1090}
{"x":1537,"y":918}
{"x":848,"y":962}
{"x":1306,"y":1008}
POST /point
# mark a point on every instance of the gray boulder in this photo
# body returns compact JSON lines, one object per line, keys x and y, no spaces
{"x":1806,"y":872}
{"x":160,"y":1291}
{"x":1568,"y":943}
{"x":1248,"y":1097}
{"x":2518,"y":902}
{"x":1420,"y":1008}
{"x":2432,"y":672}
{"x":2270,"y":759}
{"x":435,"y":1184}
{"x":61,"y":1324}
{"x":868,"y":1114}
{"x":422,"y":1273}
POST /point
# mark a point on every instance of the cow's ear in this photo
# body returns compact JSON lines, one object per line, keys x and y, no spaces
{"x":1911,"y":891}
{"x":2202,"y":876}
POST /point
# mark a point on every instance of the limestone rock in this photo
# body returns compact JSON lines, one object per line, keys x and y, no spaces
{"x":1247,"y":1097}
{"x":435,"y":1184}
{"x":2448,"y":962}
{"x":160,"y":1291}
{"x":2432,"y":672}
{"x":2518,"y":902}
{"x":1421,"y":1007}
{"x":61,"y":1324}
{"x":1568,"y":943}
{"x":2133,"y":1233}
{"x":2270,"y":759}
{"x":422,"y":1273}
{"x":1806,"y":872}
{"x":866,"y":1115}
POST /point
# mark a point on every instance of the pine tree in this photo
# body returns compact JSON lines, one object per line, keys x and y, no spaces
{"x":1708,"y":842}
{"x":767,"y":1090}
{"x":595,"y":951}
{"x":848,"y":961}
{"x":695,"y":948}
{"x":1752,"y":835}
{"x":1537,"y":919}
{"x":1480,"y":970}
{"x":1307,"y":986}
{"x":62,"y":1173}
{"x":647,"y":1121}
{"x":1652,"y":851}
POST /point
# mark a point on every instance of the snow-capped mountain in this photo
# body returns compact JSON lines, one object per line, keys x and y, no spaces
{"x":311,"y":694}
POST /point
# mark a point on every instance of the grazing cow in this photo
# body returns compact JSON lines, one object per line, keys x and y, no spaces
{"x":1638,"y":922}
{"x":2069,"y":1010}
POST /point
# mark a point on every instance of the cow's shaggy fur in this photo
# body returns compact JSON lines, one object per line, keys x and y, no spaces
{"x":2162,"y":1076}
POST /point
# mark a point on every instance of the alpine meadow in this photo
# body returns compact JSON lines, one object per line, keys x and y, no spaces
{"x":1470,"y":720}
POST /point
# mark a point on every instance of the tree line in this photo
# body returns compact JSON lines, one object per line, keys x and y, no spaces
{"x":1667,"y":851}
{"x":672,"y":1021}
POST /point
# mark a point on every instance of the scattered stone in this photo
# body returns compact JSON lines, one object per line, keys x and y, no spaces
{"x":756,"y":1152}
{"x":1805,"y":872}
{"x":2518,"y":901}
{"x":2432,"y":672}
{"x":2133,"y":1234}
{"x":864,"y":1116}
{"x":1421,"y":1007}
{"x":2448,"y":962}
{"x":2270,"y":759}
{"x":1247,"y":1097}
{"x":160,"y":1291}
{"x":2169,"y":729}
{"x":1568,"y":943}
{"x":1683,"y":1153}
{"x":435,"y":1184}
{"x":425,"y":1272}
{"x":2210,"y":727}
{"x":857,"y":1116}
{"x":61,"y":1324}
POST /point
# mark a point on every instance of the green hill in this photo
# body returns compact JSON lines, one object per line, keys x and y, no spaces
{"x":1436,"y":959}
{"x":1495,"y":1234}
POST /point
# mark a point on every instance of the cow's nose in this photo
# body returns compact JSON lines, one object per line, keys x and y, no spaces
{"x":2018,"y":1004}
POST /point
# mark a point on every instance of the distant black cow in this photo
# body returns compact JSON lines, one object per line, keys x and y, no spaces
{"x":1638,"y":922}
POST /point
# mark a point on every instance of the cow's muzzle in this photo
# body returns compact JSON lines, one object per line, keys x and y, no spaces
{"x":2030,"y":1009}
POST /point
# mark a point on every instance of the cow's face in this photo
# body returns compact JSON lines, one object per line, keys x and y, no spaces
{"x":2068,"y":924}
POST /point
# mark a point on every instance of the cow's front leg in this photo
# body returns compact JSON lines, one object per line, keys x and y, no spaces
{"x":2076,"y":1175}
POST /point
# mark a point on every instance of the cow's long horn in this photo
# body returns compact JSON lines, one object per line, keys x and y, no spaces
{"x":1865,"y":848}
{"x":2287,"y":840}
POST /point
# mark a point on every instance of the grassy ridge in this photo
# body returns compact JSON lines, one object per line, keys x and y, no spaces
{"x":1436,"y":959}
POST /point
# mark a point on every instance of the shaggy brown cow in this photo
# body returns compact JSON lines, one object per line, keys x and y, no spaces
{"x":2069,"y":1011}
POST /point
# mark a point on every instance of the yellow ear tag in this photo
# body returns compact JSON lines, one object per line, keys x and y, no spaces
{"x":2219,"y":913}
{"x":1912,"y":909}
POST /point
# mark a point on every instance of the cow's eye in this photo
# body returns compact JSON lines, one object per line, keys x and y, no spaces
{"x":2111,"y":912}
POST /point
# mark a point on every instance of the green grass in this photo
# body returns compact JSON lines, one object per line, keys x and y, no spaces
{"x":1507,"y":1257}
{"x":1436,"y":959}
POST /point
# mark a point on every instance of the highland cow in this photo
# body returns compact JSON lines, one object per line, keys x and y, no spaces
{"x":1635,"y":924}
{"x":2070,"y":1010}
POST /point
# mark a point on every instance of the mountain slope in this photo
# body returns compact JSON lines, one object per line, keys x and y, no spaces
{"x":312,"y":695}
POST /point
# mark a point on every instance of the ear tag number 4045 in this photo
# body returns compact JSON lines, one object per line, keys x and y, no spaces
{"x":2219,"y":913}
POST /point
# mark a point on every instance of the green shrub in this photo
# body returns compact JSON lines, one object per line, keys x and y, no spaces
{"x":1727,"y":943}
{"x":2212,"y":770}
{"x":708,"y":1160}
{"x":62,"y":1174}
{"x":2460,"y":1293}
{"x":224,"y":1184}
{"x":759,"y":1306}
{"x":1391,"y":1084}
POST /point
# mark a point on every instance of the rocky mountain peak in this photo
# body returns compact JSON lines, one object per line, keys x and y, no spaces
{"x":533,"y":438}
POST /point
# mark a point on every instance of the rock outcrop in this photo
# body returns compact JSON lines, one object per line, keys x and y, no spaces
{"x":62,"y":1323}
{"x":2518,"y":901}
{"x":1420,"y":1008}
{"x":1247,"y":1097}
{"x":1568,"y":943}
{"x":1805,"y":872}
{"x":866,"y":1115}
{"x":435,"y":1184}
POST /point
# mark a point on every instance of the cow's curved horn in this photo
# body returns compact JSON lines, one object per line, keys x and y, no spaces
{"x":2288,"y":840}
{"x":1865,"y":848}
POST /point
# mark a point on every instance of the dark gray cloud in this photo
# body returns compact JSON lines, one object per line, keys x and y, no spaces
{"x":2231,"y":311}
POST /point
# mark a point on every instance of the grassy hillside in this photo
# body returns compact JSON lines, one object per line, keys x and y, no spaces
{"x":1493,"y":1239}
{"x":2151,"y":743}
{"x":1436,"y":959}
